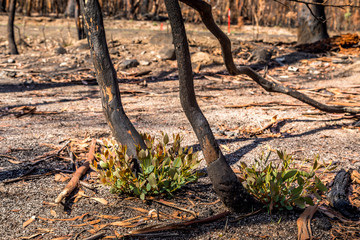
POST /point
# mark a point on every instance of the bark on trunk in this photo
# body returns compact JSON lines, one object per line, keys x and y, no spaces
{"x":224,"y":180}
{"x":70,"y":9}
{"x":122,"y":129}
{"x":144,"y":7}
{"x":10,"y":28}
{"x":312,"y":24}
{"x":79,"y":21}
{"x":3,"y":6}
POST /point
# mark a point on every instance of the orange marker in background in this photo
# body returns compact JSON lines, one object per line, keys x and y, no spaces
{"x":229,"y":14}
{"x":161,"y":26}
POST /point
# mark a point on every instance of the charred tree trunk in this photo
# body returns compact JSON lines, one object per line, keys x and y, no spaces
{"x":144,"y":7}
{"x":312,"y":23}
{"x":70,"y":9}
{"x":10,"y":28}
{"x":3,"y":6}
{"x":122,"y":129}
{"x":79,"y":21}
{"x":28,"y":7}
{"x":224,"y":180}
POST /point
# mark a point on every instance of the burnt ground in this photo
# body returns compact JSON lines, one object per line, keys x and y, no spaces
{"x":49,"y":98}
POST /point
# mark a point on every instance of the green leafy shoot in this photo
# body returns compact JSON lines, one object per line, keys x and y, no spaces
{"x":166,"y":167}
{"x":283,"y":186}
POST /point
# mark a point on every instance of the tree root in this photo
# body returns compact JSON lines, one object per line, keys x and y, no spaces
{"x":205,"y":12}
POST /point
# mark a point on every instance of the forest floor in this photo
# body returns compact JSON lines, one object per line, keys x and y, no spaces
{"x":48,"y":99}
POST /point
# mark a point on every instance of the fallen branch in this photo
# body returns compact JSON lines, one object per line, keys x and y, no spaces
{"x":27,"y":177}
{"x":176,"y":226}
{"x":338,"y":195}
{"x":78,"y":174}
{"x":176,"y":207}
{"x":303,"y":223}
{"x":205,"y":11}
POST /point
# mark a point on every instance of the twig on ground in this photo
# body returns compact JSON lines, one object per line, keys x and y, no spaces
{"x":27,"y":177}
{"x":176,"y":226}
{"x":176,"y":207}
{"x":73,"y":183}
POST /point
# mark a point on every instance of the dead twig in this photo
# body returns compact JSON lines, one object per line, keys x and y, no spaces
{"x":176,"y":226}
{"x":73,"y":183}
{"x":176,"y":207}
{"x":27,"y":177}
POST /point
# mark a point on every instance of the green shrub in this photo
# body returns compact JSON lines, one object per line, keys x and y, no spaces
{"x":282,"y":186}
{"x":165,"y":167}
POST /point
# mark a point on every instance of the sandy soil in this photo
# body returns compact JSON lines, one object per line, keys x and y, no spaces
{"x":64,"y":91}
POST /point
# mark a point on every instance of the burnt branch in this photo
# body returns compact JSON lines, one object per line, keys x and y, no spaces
{"x":205,"y":12}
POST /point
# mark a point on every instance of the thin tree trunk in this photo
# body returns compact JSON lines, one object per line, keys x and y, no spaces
{"x":79,"y":21}
{"x":122,"y":129}
{"x":28,"y":7}
{"x":3,"y":6}
{"x":70,"y":9}
{"x":312,"y":24}
{"x":10,"y":28}
{"x":224,"y":180}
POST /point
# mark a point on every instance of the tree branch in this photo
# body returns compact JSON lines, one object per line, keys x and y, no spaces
{"x":205,"y":12}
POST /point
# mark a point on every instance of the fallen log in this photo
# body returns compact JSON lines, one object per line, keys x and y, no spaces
{"x":74,"y":182}
{"x":338,"y":196}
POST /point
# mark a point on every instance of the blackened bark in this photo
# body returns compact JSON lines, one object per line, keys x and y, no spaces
{"x":224,"y":180}
{"x":28,"y":7}
{"x":144,"y":7}
{"x":3,"y":6}
{"x":10,"y":28}
{"x":70,"y":9}
{"x":312,"y":24}
{"x":338,"y":196}
{"x":122,"y":129}
{"x":79,"y":21}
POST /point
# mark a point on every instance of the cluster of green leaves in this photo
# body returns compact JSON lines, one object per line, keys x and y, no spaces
{"x":283,"y":186}
{"x":165,"y":167}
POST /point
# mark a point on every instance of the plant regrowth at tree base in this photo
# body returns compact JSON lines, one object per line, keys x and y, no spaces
{"x":165,"y":167}
{"x":284,"y":186}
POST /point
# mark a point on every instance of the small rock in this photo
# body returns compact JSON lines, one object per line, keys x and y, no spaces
{"x":203,"y":58}
{"x":144,"y":63}
{"x":63,"y":64}
{"x":10,"y":60}
{"x":316,"y":63}
{"x":143,"y":52}
{"x":167,"y":53}
{"x":129,"y":64}
{"x":60,"y":50}
{"x":292,"y":69}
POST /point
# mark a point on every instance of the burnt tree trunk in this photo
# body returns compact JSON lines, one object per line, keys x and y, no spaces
{"x":79,"y":21}
{"x":3,"y":6}
{"x":144,"y":7}
{"x":312,"y":23}
{"x":224,"y":180}
{"x":10,"y":28}
{"x":28,"y":7}
{"x":122,"y":129}
{"x":70,"y":9}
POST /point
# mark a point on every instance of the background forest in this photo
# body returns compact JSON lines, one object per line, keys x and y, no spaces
{"x":260,"y":12}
